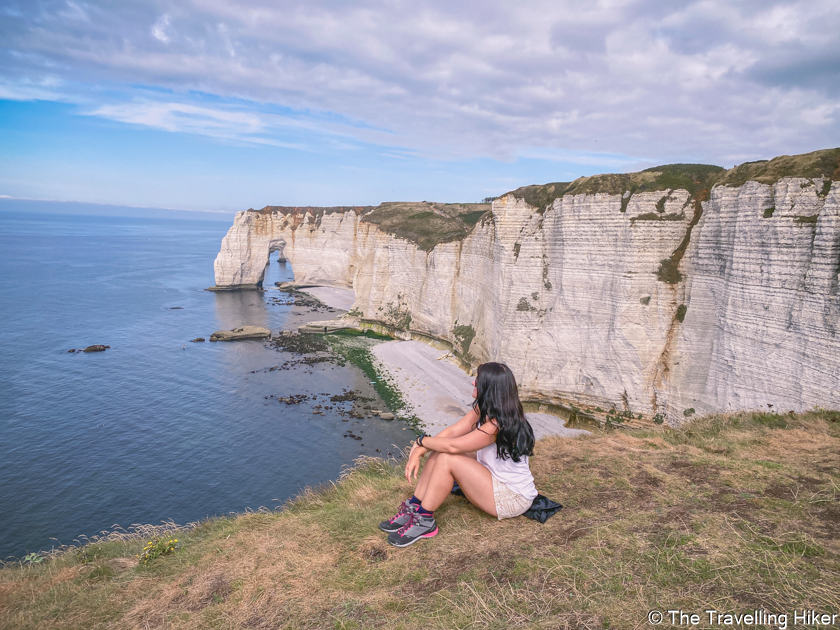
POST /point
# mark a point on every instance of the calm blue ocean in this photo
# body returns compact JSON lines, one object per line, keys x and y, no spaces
{"x":149,"y":431}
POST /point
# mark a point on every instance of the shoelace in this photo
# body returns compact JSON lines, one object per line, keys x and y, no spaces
{"x":412,"y":520}
{"x":403,"y":509}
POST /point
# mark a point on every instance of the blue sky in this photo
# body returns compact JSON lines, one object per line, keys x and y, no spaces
{"x":222,"y":105}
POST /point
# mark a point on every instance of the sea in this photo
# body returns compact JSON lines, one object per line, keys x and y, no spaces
{"x":156,"y":428}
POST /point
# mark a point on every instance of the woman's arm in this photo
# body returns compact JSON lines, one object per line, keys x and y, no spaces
{"x":475,"y":440}
{"x":462,"y":427}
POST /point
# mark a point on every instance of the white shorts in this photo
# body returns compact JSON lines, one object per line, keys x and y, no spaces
{"x":508,"y":502}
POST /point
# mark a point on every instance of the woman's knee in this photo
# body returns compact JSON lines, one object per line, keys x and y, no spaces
{"x":442,"y":460}
{"x":451,"y":460}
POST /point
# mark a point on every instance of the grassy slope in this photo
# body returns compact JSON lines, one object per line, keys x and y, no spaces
{"x":732,"y":513}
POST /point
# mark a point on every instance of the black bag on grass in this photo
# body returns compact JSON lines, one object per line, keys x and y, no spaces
{"x":541,"y":509}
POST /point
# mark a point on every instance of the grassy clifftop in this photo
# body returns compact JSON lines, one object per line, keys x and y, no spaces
{"x":423,"y":223}
{"x":732,"y":513}
{"x":694,"y":178}
{"x":427,"y":224}
{"x":825,"y":164}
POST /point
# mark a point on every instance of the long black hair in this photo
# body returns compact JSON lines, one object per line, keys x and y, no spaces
{"x":498,"y":399}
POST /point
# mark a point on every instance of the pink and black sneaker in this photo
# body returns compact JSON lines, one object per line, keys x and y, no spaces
{"x":418,"y":526}
{"x":400,"y":518}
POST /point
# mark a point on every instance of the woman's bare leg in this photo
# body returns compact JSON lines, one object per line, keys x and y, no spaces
{"x":475,"y":480}
{"x":423,"y":481}
{"x":425,"y":475}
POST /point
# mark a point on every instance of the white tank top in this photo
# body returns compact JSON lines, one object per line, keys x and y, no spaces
{"x":515,"y":475}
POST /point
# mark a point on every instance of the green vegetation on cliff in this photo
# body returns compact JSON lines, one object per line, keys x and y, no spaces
{"x":691,"y":177}
{"x":732,"y":513}
{"x":423,"y":223}
{"x":819,"y":164}
{"x":695,"y":178}
{"x":427,"y":224}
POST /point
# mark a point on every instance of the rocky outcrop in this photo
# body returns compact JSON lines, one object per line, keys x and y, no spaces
{"x":679,"y":288}
{"x":243,"y":332}
{"x":331,"y":239}
{"x":329,"y":326}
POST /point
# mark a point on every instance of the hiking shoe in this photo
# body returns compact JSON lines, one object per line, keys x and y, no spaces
{"x":418,"y":526}
{"x":400,"y":518}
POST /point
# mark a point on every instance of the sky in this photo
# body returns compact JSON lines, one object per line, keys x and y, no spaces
{"x":221,"y":105}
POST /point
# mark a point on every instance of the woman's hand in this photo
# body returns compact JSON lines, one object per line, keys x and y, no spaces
{"x":412,"y":466}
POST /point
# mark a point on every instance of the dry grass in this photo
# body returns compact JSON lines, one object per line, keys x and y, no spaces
{"x":732,"y":513}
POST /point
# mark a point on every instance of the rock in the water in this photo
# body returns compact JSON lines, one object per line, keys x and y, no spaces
{"x":332,"y":325}
{"x":387,"y":416}
{"x":96,"y":348}
{"x":197,"y":339}
{"x":73,"y":350}
{"x":243,"y":332}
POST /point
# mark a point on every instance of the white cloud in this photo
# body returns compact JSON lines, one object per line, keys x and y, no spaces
{"x":159,"y":29}
{"x":47,"y":89}
{"x":74,"y":11}
{"x":185,"y":118}
{"x":301,"y":132}
{"x":702,"y":80}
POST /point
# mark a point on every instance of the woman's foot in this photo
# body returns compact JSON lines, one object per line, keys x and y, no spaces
{"x":407,"y":508}
{"x":418,"y":526}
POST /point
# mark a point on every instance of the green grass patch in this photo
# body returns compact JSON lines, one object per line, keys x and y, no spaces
{"x":669,"y":271}
{"x":653,"y":216}
{"x":465,"y":335}
{"x":354,"y":347}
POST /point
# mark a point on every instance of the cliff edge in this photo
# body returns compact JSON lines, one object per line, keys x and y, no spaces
{"x":683,"y":289}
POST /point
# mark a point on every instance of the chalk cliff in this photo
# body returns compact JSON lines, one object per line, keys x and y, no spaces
{"x":680,"y":288}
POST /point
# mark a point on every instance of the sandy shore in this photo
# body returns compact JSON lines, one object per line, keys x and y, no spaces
{"x":333,"y":296}
{"x":440,"y":392}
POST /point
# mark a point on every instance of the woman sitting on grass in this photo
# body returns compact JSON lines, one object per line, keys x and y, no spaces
{"x":486,"y":452}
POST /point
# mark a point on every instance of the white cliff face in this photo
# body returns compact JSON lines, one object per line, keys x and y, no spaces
{"x":763,"y":310}
{"x":575,"y":299}
{"x":322,"y":250}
